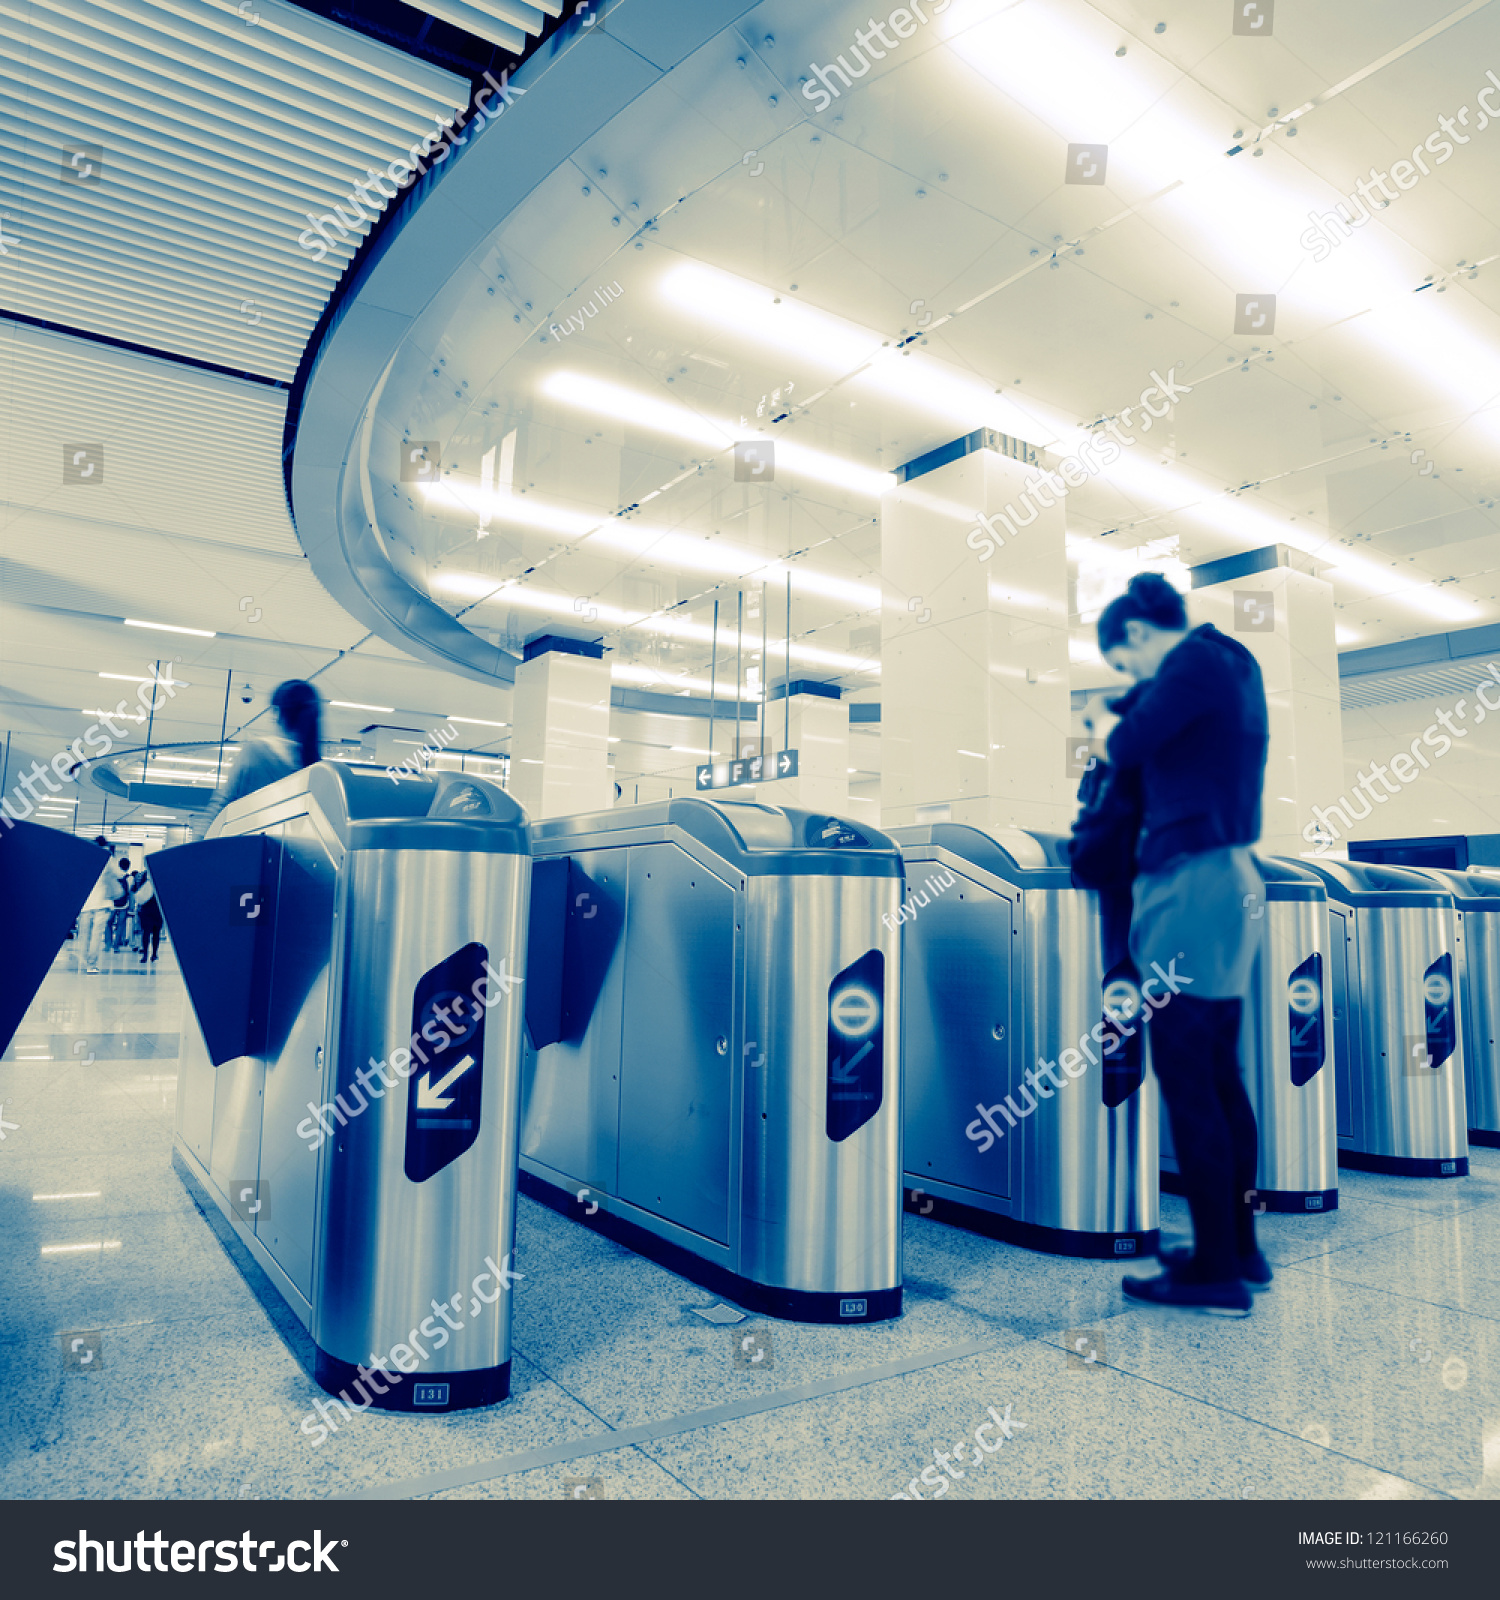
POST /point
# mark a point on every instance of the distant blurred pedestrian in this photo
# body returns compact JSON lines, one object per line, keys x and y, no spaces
{"x":266,"y":757}
{"x":93,"y":920}
{"x":117,"y":936}
{"x":148,"y":909}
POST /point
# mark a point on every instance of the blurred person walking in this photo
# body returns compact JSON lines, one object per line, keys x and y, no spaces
{"x":99,"y":908}
{"x":118,"y":935}
{"x":267,"y":757}
{"x":1196,"y":732}
{"x":148,"y":909}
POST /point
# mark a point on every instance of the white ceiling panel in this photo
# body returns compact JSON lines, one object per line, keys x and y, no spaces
{"x":207,"y":136}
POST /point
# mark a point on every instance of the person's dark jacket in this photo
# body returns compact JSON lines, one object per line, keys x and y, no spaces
{"x":1197,"y":734}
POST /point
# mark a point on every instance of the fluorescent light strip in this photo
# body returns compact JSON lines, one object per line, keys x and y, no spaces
{"x":660,"y":416}
{"x":477,"y":722}
{"x":355,"y":705}
{"x":761,"y":318}
{"x":80,"y":1194}
{"x":476,"y":588}
{"x":74,"y":1249}
{"x":119,"y":716}
{"x":170,"y":627}
{"x":667,"y":546}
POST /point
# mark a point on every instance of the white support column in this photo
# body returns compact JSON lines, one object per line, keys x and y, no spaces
{"x":817,"y":728}
{"x":1285,"y":618}
{"x":560,"y":748}
{"x":975,"y":704}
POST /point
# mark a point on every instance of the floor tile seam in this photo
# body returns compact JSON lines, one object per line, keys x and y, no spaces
{"x":1276,"y":1428}
{"x":1353,"y":1244}
{"x":1411,"y":1299}
{"x":197,"y":1318}
{"x":557,"y":1383}
{"x":685,"y":1422}
{"x":661,"y":1466}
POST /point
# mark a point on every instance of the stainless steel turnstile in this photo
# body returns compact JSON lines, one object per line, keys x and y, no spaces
{"x":714,"y":1075}
{"x":351,"y":947}
{"x":1476,"y":898}
{"x":1004,"y":975}
{"x":1398,"y":1042}
{"x":1285,"y":1052}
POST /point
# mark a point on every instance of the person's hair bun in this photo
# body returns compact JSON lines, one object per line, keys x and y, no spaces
{"x":1148,"y":597}
{"x":1157,"y":600}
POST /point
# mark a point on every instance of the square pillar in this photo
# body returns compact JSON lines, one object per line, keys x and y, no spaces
{"x":1284,"y":617}
{"x":559,"y":750}
{"x":975,"y":701}
{"x":816,"y":725}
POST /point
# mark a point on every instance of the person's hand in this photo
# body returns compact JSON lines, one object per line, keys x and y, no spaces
{"x":1099,"y":719}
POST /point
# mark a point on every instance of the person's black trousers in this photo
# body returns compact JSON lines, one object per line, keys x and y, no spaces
{"x":1195,"y":1052}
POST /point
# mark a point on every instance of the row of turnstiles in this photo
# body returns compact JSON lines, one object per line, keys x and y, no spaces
{"x":739,"y":1038}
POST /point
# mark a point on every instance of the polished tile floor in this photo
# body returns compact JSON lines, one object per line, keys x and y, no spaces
{"x":135,"y":1360}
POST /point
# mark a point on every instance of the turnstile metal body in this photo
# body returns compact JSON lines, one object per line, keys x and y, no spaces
{"x":351,"y":947}
{"x":1286,"y":1051}
{"x":714,"y":1076}
{"x":1004,"y":973}
{"x":1398,"y":1043}
{"x":1476,"y":899}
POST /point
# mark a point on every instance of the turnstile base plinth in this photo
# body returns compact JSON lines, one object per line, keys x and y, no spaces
{"x":791,"y":1305}
{"x":1033,"y":1235}
{"x":1405,"y":1166}
{"x":1485,"y":1136}
{"x":416,"y":1392}
{"x":1283,"y":1202}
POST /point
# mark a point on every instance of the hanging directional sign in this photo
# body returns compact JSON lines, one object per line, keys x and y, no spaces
{"x":753,"y":769}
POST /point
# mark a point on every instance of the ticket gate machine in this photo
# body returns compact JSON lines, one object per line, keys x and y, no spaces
{"x":351,"y":945}
{"x":1004,"y":975}
{"x":714,"y":1071}
{"x":1397,"y":1029}
{"x":1476,"y":899}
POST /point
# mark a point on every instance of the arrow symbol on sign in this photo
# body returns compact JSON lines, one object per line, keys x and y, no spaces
{"x":1301,"y":1039}
{"x":430,"y":1095}
{"x":843,"y":1071}
{"x":786,"y":761}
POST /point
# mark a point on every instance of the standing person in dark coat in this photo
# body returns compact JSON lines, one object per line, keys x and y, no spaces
{"x":1197,"y":735}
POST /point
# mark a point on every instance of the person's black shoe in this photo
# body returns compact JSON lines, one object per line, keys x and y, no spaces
{"x":1207,"y":1299}
{"x":1254,"y":1270}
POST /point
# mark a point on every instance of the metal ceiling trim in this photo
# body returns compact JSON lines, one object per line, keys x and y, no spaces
{"x":345,"y":365}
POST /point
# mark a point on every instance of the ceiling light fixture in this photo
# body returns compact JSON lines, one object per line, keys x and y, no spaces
{"x":170,"y":627}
